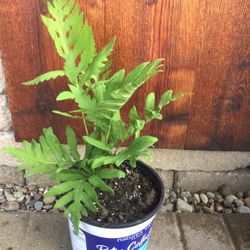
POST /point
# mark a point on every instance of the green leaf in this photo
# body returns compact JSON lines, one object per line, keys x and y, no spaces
{"x":72,"y":142}
{"x":110,"y":173}
{"x":68,"y":175}
{"x":96,"y":143}
{"x":45,"y":77}
{"x":135,"y":148}
{"x":91,"y":192}
{"x":65,"y":95}
{"x":25,"y":165}
{"x":133,"y":115}
{"x":42,"y":169}
{"x":97,"y":182}
{"x":87,"y":202}
{"x":98,"y":63}
{"x":88,"y":43}
{"x":103,"y":160}
{"x":64,"y":200}
{"x":64,"y":30}
{"x":149,"y":104}
{"x":74,"y":212}
{"x":15,"y":152}
{"x":165,"y":99}
{"x":61,"y":188}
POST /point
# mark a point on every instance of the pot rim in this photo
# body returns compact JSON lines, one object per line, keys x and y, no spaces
{"x":161,"y":190}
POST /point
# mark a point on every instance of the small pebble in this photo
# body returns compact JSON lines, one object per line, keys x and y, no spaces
{"x":2,"y":198}
{"x":169,"y":207}
{"x":173,"y":194}
{"x":9,"y":206}
{"x":243,"y":210}
{"x":27,"y":199}
{"x":239,"y":195}
{"x":247,"y":202}
{"x":239,"y":203}
{"x":208,"y":210}
{"x":204,"y":198}
{"x":197,"y":198}
{"x":38,"y":205}
{"x":218,"y":208}
{"x":210,"y":201}
{"x":183,"y":206}
{"x":18,"y":194}
{"x":31,"y":187}
{"x":185,"y":199}
{"x":9,"y":197}
{"x":198,"y":209}
{"x":23,"y":190}
{"x":247,"y":194}
{"x":31,"y":203}
{"x":37,"y":196}
{"x":210,"y":195}
{"x":217,"y":195}
{"x":220,"y":200}
{"x":48,"y":207}
{"x":185,"y":194}
{"x":227,"y":204}
{"x":230,"y":198}
{"x":49,"y":200}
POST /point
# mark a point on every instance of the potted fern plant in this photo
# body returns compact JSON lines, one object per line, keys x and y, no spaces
{"x":110,"y":198}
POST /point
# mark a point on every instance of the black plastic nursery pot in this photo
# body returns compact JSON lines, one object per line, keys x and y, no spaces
{"x":133,"y":235}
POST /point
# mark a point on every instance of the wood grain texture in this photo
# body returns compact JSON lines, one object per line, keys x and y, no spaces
{"x":206,"y":49}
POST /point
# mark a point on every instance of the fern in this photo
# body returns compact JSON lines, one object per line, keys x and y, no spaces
{"x":99,"y":96}
{"x":45,"y":77}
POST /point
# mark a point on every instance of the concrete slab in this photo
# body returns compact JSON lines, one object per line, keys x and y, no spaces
{"x":41,"y":181}
{"x":9,"y":175}
{"x":7,"y":140}
{"x":238,"y":180}
{"x":46,"y":232}
{"x":165,"y":234}
{"x":167,"y":178}
{"x":12,"y":230}
{"x":239,"y":227}
{"x":205,"y":232}
{"x":49,"y":231}
{"x":191,"y":160}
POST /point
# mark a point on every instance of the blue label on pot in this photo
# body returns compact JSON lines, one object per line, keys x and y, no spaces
{"x":137,"y":241}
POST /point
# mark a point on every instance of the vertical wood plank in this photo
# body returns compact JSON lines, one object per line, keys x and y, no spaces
{"x":20,"y":52}
{"x":222,"y":38}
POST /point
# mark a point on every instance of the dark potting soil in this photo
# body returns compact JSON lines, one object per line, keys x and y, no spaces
{"x":135,"y":196}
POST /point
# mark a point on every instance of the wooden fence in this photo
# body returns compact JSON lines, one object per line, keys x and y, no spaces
{"x":205,"y":44}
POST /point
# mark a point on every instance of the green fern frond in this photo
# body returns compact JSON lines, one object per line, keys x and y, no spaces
{"x":46,"y":155}
{"x":45,"y":77}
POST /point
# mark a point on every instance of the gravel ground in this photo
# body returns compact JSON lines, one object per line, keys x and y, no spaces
{"x":221,"y":201}
{"x":30,"y":197}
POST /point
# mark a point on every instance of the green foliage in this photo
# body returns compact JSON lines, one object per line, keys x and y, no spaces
{"x":99,"y":96}
{"x":45,"y":77}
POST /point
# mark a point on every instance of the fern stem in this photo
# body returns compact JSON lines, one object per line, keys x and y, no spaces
{"x":109,"y":129}
{"x":85,"y":124}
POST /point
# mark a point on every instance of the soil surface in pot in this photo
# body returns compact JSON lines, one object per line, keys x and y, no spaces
{"x":135,"y":196}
